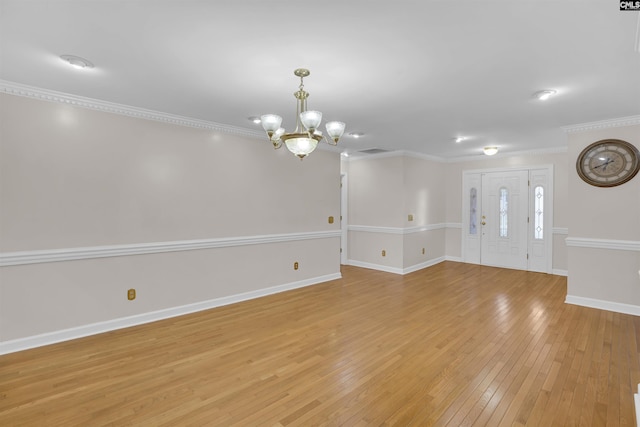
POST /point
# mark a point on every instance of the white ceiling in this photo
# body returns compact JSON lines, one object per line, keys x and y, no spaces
{"x":411,"y":75}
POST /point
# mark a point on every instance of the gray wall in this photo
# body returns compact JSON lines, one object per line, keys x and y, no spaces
{"x":604,"y":235}
{"x":78,"y":181}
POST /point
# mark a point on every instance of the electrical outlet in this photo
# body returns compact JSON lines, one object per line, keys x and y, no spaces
{"x":384,"y":253}
{"x":295,"y":265}
{"x":330,"y":220}
{"x":422,"y":251}
{"x":410,"y":217}
{"x":131,"y":294}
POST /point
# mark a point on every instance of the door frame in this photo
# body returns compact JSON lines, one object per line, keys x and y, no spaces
{"x":344,"y":220}
{"x":548,"y":218}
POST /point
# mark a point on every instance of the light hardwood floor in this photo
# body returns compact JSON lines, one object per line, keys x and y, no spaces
{"x":454,"y":344}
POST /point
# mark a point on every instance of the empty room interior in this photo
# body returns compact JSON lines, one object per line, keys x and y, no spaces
{"x":296,"y":213}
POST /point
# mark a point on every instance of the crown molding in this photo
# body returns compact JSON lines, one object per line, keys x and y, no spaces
{"x":421,"y":156}
{"x":17,"y":89}
{"x":357,"y":155}
{"x":437,"y":159}
{"x":603,"y":124}
{"x":541,"y":151}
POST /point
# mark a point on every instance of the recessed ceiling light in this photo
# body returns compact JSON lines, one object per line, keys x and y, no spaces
{"x":543,"y":95}
{"x":490,"y":151}
{"x":254,"y":119}
{"x":460,"y":139}
{"x":345,"y":154}
{"x":76,"y":62}
{"x":356,"y":135}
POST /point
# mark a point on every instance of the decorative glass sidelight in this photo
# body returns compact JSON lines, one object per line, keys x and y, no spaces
{"x":473,"y":204}
{"x":503,"y":214}
{"x":538,"y":213}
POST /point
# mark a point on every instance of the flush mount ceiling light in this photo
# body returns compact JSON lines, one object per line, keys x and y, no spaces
{"x":543,"y":95}
{"x":76,"y":61}
{"x":490,"y":151}
{"x":304,"y":139}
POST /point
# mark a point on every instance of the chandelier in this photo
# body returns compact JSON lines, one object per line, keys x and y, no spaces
{"x":304,"y":139}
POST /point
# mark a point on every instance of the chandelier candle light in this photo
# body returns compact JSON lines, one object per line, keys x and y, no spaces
{"x":304,"y":139}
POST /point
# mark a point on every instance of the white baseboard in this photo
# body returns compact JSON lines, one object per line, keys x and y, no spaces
{"x":139,"y":319}
{"x":453,"y":258}
{"x":422,"y":265}
{"x":378,"y":267}
{"x":636,"y":399}
{"x":559,"y":272}
{"x":617,"y":307}
{"x":401,"y":271}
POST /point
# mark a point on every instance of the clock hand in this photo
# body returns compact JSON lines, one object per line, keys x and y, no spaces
{"x":604,"y":165}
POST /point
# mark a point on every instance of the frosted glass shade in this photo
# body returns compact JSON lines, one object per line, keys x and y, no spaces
{"x":277,"y":134}
{"x":335,"y":130}
{"x":270,"y":122}
{"x":311,"y":119}
{"x":490,"y":151}
{"x":301,"y":147}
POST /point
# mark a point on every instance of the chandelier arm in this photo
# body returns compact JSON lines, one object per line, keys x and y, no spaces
{"x":330,"y":141}
{"x":302,"y":141}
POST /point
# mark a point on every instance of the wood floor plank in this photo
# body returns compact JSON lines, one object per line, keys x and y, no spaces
{"x":454,"y":344}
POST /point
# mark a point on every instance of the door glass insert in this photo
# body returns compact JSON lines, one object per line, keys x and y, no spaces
{"x":473,"y":204}
{"x":503,"y":214}
{"x":538,"y":205}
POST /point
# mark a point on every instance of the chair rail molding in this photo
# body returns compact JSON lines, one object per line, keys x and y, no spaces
{"x":621,"y":245}
{"x":70,"y":254}
{"x":404,"y":230}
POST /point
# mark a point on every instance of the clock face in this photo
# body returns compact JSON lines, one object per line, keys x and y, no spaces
{"x":608,"y":163}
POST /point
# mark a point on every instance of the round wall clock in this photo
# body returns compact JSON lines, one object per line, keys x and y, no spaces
{"x":608,"y":163}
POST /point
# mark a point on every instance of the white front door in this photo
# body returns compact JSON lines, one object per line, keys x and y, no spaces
{"x":507,"y":218}
{"x":504,"y":219}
